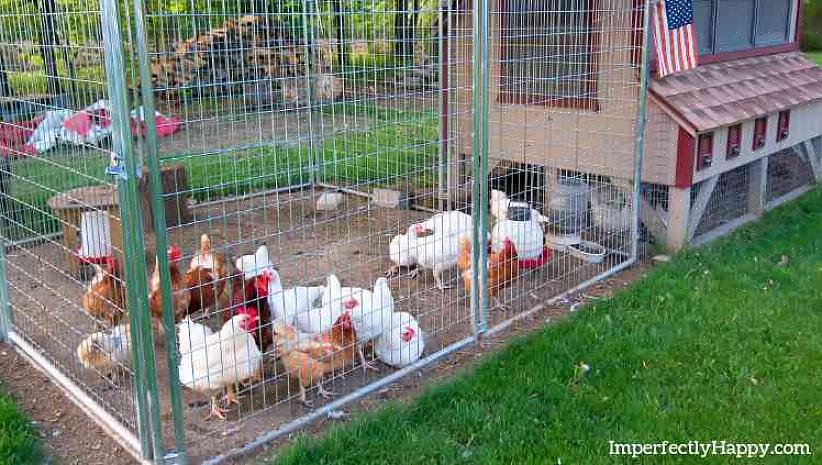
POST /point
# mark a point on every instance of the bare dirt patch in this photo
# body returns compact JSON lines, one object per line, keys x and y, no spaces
{"x":306,"y":246}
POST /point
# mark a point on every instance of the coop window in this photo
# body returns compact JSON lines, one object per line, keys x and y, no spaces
{"x":734,"y":147}
{"x":548,"y":52}
{"x":760,"y":133}
{"x":734,"y":25}
{"x":705,"y":155}
{"x":783,"y":129}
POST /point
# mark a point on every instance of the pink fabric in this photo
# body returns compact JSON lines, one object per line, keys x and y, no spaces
{"x":167,"y":126}
{"x":80,"y":123}
{"x":13,"y":138}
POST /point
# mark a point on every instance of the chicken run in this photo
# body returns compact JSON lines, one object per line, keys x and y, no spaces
{"x":328,"y":213}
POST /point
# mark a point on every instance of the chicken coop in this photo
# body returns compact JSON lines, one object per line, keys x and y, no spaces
{"x":224,"y":221}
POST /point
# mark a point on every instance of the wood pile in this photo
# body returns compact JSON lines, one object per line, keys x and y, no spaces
{"x":255,"y":55}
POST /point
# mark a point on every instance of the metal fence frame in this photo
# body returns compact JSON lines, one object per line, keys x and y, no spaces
{"x":148,"y":444}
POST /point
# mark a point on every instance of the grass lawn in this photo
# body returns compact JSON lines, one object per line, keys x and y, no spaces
{"x":723,"y":343}
{"x":399,"y":145}
{"x":816,"y":56}
{"x":18,"y":444}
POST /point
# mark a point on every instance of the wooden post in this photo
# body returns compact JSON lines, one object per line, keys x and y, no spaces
{"x":176,"y":195}
{"x":758,"y":186}
{"x":814,"y":159}
{"x":703,"y":197}
{"x":679,"y":206}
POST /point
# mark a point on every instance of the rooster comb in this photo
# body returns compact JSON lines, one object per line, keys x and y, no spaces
{"x":174,"y":253}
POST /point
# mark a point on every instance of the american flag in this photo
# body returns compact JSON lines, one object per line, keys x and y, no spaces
{"x":674,"y":36}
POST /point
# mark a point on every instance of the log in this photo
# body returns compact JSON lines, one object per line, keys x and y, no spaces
{"x":175,"y":197}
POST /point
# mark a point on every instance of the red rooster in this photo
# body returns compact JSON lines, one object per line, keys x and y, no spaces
{"x":252,"y":294}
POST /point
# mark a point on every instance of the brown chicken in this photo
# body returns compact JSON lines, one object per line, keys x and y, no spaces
{"x":180,"y":297}
{"x":311,"y":358}
{"x":206,"y":277}
{"x":105,"y":299}
{"x":503,"y":266}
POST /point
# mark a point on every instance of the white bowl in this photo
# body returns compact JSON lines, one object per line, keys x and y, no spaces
{"x":591,"y":252}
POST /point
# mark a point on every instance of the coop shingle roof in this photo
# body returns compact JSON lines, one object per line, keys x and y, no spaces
{"x":721,"y":94}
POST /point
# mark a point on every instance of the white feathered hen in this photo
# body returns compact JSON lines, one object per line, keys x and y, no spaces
{"x":315,"y":320}
{"x":286,"y":304}
{"x":449,"y":223}
{"x":370,"y":311}
{"x":402,"y":341}
{"x":436,"y":252}
{"x":219,"y":360}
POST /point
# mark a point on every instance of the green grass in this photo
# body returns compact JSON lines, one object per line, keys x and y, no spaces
{"x":722,"y":343}
{"x":816,"y":56}
{"x":399,"y":145}
{"x":18,"y":444}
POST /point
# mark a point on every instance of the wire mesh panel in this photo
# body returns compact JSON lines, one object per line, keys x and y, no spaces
{"x":330,"y":192}
{"x":788,"y":171}
{"x":564,"y":94}
{"x":729,"y":199}
{"x":312,"y":142}
{"x":59,"y":209}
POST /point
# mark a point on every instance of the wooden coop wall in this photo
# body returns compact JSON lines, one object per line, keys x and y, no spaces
{"x":599,"y":142}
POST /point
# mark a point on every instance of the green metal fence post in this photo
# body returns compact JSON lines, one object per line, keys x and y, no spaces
{"x":639,"y":148}
{"x":125,"y":167}
{"x":479,"y":292}
{"x":5,"y":304}
{"x":5,"y":213}
{"x":160,"y":232}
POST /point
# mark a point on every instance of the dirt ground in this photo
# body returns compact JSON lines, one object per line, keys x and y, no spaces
{"x":306,"y":246}
{"x":67,"y":434}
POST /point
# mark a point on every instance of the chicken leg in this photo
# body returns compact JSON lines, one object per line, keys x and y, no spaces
{"x":216,"y":410}
{"x":320,"y":390}
{"x":438,"y":270}
{"x":230,"y":397}
{"x":498,"y":305}
{"x":366,"y":365}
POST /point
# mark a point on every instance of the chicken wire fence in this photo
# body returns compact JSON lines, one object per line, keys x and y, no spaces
{"x":223,"y":220}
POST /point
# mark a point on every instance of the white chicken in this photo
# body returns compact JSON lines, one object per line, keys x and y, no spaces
{"x":285,"y":303}
{"x":320,"y":319}
{"x":191,"y":336}
{"x":370,"y":311}
{"x":219,"y":360}
{"x":447,"y":223}
{"x":402,"y":342}
{"x":106,"y":351}
{"x":500,"y":203}
{"x":436,"y":252}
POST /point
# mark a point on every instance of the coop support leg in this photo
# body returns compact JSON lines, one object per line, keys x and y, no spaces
{"x":706,"y":189}
{"x":655,"y":219}
{"x":679,"y":206}
{"x":815,"y":160}
{"x":758,"y":186}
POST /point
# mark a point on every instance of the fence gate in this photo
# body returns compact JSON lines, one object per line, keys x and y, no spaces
{"x":378,"y":150}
